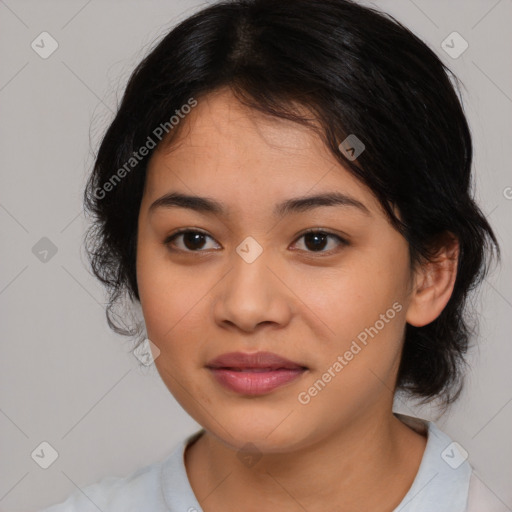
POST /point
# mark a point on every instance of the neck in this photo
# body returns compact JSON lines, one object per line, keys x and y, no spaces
{"x":370,"y":464}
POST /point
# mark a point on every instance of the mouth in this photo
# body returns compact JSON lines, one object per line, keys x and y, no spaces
{"x":257,"y":370}
{"x":258,"y":361}
{"x":254,"y":374}
{"x":255,"y":381}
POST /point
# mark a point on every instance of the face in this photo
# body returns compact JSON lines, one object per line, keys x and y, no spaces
{"x":247,"y":278}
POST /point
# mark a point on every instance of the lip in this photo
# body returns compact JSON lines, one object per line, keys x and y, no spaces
{"x":256,"y":360}
{"x":254,"y":374}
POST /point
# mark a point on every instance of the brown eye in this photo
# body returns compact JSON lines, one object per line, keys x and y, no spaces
{"x":318,"y":241}
{"x":188,"y":241}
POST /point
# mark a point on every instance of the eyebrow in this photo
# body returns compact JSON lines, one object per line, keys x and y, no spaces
{"x":294,"y":205}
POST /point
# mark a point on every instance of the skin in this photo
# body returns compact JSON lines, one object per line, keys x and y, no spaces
{"x":302,"y":304}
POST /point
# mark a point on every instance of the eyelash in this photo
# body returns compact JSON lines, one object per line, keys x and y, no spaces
{"x":342,"y":241}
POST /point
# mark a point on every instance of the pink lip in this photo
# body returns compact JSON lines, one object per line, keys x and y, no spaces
{"x":242,"y":360}
{"x":255,"y":382}
{"x":254,"y":374}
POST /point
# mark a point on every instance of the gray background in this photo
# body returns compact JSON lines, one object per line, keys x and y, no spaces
{"x":64,"y":377}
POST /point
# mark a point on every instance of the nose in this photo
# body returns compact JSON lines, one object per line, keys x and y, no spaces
{"x":252,"y":295}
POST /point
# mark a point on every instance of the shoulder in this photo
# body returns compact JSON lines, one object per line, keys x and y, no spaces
{"x":446,"y":480}
{"x":442,"y":480}
{"x":480,"y":497}
{"x":135,"y":492}
{"x":153,"y":487}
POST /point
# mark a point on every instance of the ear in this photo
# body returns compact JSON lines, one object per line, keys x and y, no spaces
{"x":433,"y":282}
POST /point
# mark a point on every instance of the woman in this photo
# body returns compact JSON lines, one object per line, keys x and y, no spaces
{"x":285,"y":190}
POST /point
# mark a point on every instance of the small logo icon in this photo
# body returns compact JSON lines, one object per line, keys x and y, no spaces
{"x":352,"y":147}
{"x":249,"y":455}
{"x":454,"y":455}
{"x":44,"y":45}
{"x":44,"y":250}
{"x":454,"y":45}
{"x":44,"y":455}
{"x":249,"y":250}
{"x":146,"y":352}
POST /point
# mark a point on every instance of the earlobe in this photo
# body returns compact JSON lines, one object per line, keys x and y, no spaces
{"x":434,"y":282}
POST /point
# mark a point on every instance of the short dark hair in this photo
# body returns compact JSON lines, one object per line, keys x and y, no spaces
{"x":357,"y":71}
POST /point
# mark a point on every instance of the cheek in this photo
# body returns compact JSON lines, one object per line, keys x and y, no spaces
{"x":356,"y":365}
{"x":167,"y":292}
{"x":175,"y":304}
{"x":174,"y":320}
{"x":171,"y":306}
{"x":350,"y":298}
{"x":363,"y":307}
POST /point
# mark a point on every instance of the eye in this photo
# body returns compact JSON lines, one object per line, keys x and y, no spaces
{"x":191,"y":240}
{"x":315,"y":240}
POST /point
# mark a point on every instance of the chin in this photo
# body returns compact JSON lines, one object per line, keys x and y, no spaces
{"x":269,"y":434}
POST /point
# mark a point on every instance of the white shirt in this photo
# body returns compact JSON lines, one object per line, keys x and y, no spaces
{"x":445,"y":482}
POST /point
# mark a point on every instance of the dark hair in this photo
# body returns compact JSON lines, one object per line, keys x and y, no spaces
{"x":356,"y":71}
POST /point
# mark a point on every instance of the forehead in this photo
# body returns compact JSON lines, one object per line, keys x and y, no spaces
{"x":220,"y":120}
{"x":233,"y":152}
